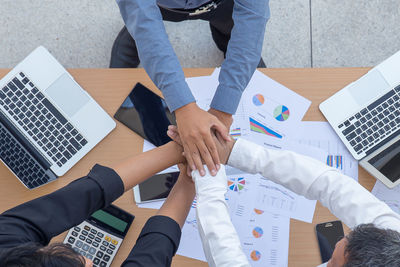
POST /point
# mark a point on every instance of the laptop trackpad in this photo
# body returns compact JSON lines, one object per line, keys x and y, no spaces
{"x":67,"y":95}
{"x":368,"y":87}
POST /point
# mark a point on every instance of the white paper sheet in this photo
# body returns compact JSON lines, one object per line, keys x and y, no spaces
{"x":271,"y":108}
{"x":390,"y":196}
{"x":265,"y":239}
{"x":151,"y":205}
{"x":264,"y":236}
{"x":190,"y":244}
{"x":321,"y":135}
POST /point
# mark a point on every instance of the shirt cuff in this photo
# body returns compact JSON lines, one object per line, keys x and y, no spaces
{"x":242,"y":149}
{"x":226,"y":99}
{"x":208,"y":184}
{"x":163,"y":225}
{"x":109,"y":181}
{"x":177,"y":95}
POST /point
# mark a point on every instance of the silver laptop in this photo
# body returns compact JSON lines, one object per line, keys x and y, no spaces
{"x":47,"y":121}
{"x":366,"y":116}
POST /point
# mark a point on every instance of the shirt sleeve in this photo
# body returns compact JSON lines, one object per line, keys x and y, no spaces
{"x":156,"y":244}
{"x":243,"y":54}
{"x":144,"y":22}
{"x":343,"y":196}
{"x":43,"y":218}
{"x":220,"y":241}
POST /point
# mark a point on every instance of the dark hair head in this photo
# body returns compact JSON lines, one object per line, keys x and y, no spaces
{"x":369,"y":246}
{"x":35,"y":255}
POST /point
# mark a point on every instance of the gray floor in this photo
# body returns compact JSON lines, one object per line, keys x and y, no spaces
{"x":300,"y":33}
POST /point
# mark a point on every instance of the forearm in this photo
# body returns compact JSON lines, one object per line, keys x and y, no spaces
{"x":179,"y":201}
{"x":344,"y":197}
{"x":144,"y":22}
{"x":243,"y":54}
{"x":221,"y":243}
{"x":136,"y":169}
{"x":43,"y":218}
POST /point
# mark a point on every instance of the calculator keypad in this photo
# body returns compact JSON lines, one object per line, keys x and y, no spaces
{"x":93,"y":243}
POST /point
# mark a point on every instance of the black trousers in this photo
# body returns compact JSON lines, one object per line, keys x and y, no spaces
{"x":124,"y":53}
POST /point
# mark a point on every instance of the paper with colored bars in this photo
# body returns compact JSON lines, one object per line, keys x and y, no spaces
{"x":320,"y":134}
{"x":266,"y":107}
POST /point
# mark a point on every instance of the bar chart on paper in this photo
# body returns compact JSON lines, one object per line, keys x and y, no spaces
{"x":258,"y":127}
{"x":322,"y":136}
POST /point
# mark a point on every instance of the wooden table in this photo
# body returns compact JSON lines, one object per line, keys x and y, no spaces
{"x":109,"y":87}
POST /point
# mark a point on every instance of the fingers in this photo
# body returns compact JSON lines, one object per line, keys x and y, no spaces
{"x":188,"y":156}
{"x":174,"y":136}
{"x":212,"y":151}
{"x":219,"y":137}
{"x":206,"y":148}
{"x":221,"y":129}
{"x":195,"y":156}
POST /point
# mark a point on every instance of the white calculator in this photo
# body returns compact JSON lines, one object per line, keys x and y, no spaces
{"x":99,"y":237}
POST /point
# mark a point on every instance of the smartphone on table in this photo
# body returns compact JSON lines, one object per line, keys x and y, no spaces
{"x":328,"y":234}
{"x":147,"y":114}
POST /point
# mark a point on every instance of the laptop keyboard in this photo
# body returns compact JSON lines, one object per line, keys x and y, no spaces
{"x":372,"y":124}
{"x":41,"y":120}
{"x":30,"y":172}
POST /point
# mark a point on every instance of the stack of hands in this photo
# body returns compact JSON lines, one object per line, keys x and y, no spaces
{"x":204,"y":137}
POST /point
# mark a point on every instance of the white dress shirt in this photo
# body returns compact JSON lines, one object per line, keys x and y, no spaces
{"x":343,"y":196}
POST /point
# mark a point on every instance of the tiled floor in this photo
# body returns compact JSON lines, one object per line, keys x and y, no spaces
{"x":300,"y":33}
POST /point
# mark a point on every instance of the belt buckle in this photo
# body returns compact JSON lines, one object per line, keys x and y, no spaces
{"x":204,"y":9}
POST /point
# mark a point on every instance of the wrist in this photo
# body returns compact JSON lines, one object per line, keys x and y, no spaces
{"x":186,"y":108}
{"x":225,"y":118}
{"x":175,"y":152}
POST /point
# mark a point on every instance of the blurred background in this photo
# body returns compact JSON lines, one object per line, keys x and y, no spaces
{"x":300,"y":33}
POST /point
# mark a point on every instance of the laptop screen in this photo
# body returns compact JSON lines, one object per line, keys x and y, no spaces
{"x":388,"y":162}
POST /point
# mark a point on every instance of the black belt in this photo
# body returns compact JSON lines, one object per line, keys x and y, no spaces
{"x":205,"y":8}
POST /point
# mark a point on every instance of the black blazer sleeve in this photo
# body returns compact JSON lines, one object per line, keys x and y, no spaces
{"x":43,"y":218}
{"x":156,"y":244}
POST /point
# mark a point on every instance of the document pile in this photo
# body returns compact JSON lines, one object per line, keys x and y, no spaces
{"x":268,"y":114}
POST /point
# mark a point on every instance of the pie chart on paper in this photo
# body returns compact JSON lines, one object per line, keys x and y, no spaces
{"x":258,"y":99}
{"x":258,"y":232}
{"x":281,"y":113}
{"x":255,"y":255}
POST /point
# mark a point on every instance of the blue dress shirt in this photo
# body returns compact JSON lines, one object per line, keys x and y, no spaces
{"x":144,"y":22}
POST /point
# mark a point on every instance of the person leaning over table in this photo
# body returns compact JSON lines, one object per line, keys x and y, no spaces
{"x":373,"y":242}
{"x":237,"y":27}
{"x":26,"y":230}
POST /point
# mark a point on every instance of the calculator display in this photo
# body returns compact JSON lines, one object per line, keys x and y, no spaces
{"x":110,"y":220}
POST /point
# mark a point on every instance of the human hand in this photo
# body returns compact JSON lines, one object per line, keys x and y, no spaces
{"x":224,"y":147}
{"x":224,"y":117}
{"x":195,"y":127}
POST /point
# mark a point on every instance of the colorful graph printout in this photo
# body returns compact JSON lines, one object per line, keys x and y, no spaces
{"x":255,"y":255}
{"x":236,"y":133}
{"x":236,"y":184}
{"x":258,"y":99}
{"x":258,"y":127}
{"x":258,"y":232}
{"x":194,"y":203}
{"x":281,"y":113}
{"x":335,"y":161}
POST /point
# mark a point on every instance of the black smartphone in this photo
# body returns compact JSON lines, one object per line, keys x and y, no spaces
{"x":147,"y":114}
{"x":156,"y":187}
{"x":328,"y":234}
